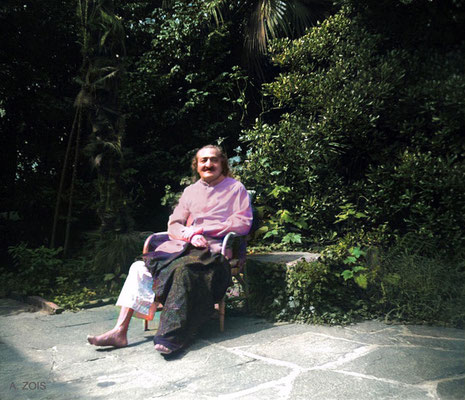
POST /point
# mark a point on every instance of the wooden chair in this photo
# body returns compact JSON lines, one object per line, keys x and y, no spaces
{"x":233,"y":248}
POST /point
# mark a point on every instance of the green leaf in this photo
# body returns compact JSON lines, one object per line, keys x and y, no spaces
{"x":356,"y":251}
{"x":341,"y":217}
{"x":347,"y":274}
{"x":301,"y":223}
{"x":274,"y":232}
{"x":277,"y":190}
{"x":292,"y":238}
{"x":285,"y":216}
{"x":361,"y":281}
{"x":350,"y":260}
{"x":262,"y":230}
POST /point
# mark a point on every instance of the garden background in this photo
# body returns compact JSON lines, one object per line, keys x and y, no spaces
{"x":345,"y":119}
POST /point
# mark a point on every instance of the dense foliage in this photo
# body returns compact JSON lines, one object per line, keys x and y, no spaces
{"x":360,"y":134}
{"x":39,"y":59}
{"x":360,"y":152}
{"x":183,"y":89}
{"x":402,"y":284}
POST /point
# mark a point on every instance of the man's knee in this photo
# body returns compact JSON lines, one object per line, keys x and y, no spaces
{"x":138,"y":268}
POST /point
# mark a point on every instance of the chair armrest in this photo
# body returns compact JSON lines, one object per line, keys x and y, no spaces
{"x":158,"y":237}
{"x":227,"y":242}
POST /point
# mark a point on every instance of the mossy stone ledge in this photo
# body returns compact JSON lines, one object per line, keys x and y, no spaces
{"x":265,"y":275}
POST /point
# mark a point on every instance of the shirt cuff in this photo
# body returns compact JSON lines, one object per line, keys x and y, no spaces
{"x":198,"y":231}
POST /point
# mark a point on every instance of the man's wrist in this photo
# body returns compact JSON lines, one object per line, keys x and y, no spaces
{"x":196,"y":232}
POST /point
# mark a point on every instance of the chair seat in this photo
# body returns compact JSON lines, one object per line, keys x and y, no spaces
{"x":233,"y":248}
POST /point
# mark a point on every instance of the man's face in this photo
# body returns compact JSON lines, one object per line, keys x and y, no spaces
{"x":209,"y":165}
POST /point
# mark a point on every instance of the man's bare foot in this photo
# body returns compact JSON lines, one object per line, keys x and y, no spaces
{"x":163,"y":349}
{"x":115,"y":338}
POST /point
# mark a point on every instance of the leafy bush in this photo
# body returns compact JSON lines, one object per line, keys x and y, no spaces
{"x":334,"y":87}
{"x":42,"y":271}
{"x":422,"y":194}
{"x":413,"y":281}
{"x":420,"y":283}
{"x":359,"y":149}
{"x":98,"y":273}
{"x":36,"y":269}
{"x":112,"y":254}
{"x":311,"y":292}
{"x":360,"y":126}
{"x":267,"y":288}
{"x":315,"y":293}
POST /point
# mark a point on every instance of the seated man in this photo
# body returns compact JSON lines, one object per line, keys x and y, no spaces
{"x":189,"y":273}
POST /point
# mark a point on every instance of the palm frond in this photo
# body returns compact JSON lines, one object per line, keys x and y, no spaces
{"x":266,"y":18}
{"x":111,"y":75}
{"x":305,"y":13}
{"x":112,"y":27}
{"x":273,"y":18}
{"x":167,"y":3}
{"x":215,"y":8}
{"x":112,"y":147}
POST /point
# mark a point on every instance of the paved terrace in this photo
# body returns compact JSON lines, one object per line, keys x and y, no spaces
{"x":46,"y":357}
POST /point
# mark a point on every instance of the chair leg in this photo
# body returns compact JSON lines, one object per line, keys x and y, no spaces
{"x":156,"y":306}
{"x":221,"y":312}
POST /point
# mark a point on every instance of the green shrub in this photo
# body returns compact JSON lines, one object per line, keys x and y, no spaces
{"x":267,"y":288}
{"x":422,"y":194}
{"x":315,"y":293}
{"x":113,"y":253}
{"x":357,"y":124}
{"x":335,"y":85}
{"x":311,"y":292}
{"x":359,"y":150}
{"x":413,"y":281}
{"x":36,"y":269}
{"x":42,"y":271}
{"x":74,"y":281}
{"x":419,"y":282}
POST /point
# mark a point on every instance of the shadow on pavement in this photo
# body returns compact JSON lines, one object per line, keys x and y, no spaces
{"x":22,"y":378}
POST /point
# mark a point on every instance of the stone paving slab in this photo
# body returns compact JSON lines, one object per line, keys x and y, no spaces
{"x":314,"y":385}
{"x":46,"y":357}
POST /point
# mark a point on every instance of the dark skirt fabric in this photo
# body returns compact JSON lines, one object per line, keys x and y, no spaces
{"x":188,"y":287}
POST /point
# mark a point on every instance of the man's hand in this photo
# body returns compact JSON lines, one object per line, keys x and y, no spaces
{"x":190,"y":231}
{"x":199,"y":241}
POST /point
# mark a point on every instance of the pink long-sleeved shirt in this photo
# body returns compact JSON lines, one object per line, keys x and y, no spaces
{"x":217,"y":210}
